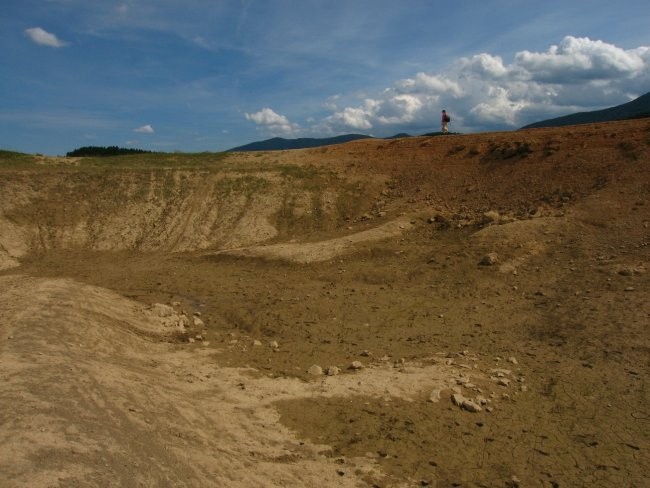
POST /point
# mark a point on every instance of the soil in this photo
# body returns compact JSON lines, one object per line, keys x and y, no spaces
{"x":326,"y":311}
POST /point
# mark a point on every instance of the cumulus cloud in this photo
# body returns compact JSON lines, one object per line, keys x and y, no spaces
{"x":44,"y":38}
{"x":145,"y":129}
{"x":483,"y":92}
{"x":272,"y":123}
{"x":579,"y":59}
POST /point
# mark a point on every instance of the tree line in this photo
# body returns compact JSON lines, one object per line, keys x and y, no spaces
{"x":104,"y":151}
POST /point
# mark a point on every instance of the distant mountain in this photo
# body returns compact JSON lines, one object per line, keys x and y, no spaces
{"x":637,"y":108}
{"x":279,"y":143}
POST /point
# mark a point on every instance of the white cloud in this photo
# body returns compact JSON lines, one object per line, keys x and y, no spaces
{"x":577,"y":59}
{"x":273,"y":123}
{"x":424,"y":83}
{"x":44,"y":38}
{"x":484,"y":92}
{"x":145,"y":129}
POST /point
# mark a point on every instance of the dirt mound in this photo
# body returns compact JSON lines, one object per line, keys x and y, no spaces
{"x":325,"y":250}
{"x":102,"y":405}
{"x":453,"y":311}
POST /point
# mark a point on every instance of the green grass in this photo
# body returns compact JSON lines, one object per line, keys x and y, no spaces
{"x":12,"y":158}
{"x":156,"y":160}
{"x":205,"y":160}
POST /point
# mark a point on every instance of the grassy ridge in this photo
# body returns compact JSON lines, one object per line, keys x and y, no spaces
{"x":11,"y":159}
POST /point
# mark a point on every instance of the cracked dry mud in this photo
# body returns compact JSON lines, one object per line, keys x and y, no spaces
{"x":368,"y":251}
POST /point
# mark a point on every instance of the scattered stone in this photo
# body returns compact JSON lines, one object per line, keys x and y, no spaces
{"x":198,"y":337}
{"x":491,"y":216}
{"x":274,"y":345}
{"x":471,"y":406}
{"x":356,"y":365}
{"x":315,"y":370}
{"x":162,"y":310}
{"x":489,"y":259}
{"x":198,"y":322}
{"x":365,"y":353}
{"x":503,"y":382}
{"x":332,"y":371}
{"x":465,"y":403}
{"x":513,"y":360}
{"x":501,"y":372}
{"x":434,"y":397}
{"x":257,"y":343}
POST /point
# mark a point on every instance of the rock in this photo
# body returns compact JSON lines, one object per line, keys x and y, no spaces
{"x":457,"y":399}
{"x":274,"y":345}
{"x":471,"y":406}
{"x":512,"y":360}
{"x":491,"y":216}
{"x":332,"y":371}
{"x":162,"y":310}
{"x":257,"y":343}
{"x":315,"y":370}
{"x":365,"y":353}
{"x":489,"y":259}
{"x":501,"y":372}
{"x":465,"y":403}
{"x":198,"y":322}
{"x":441,"y":219}
{"x":503,"y":382}
{"x":434,"y":397}
{"x":356,"y":365}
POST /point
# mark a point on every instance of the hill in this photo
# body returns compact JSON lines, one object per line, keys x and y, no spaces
{"x":638,"y":108}
{"x":423,"y":311}
{"x":280,"y":143}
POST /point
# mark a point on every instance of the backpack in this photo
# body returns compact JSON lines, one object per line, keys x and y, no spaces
{"x":447,"y":118}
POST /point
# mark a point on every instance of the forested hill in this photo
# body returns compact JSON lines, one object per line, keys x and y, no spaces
{"x":638,"y":108}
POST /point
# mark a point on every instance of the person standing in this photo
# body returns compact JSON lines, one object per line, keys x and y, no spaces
{"x":445,"y":120}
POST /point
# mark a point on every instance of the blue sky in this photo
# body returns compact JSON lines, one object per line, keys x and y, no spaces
{"x":203,"y":75}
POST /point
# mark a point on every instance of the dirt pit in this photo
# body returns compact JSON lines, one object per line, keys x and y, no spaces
{"x":422,"y":312}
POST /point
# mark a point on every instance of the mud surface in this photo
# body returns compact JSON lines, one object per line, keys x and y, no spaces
{"x":509,"y":270}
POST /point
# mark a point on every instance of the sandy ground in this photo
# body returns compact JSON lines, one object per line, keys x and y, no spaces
{"x":457,"y":311}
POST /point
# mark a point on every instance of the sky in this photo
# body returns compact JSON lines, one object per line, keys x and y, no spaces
{"x":209,"y":75}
